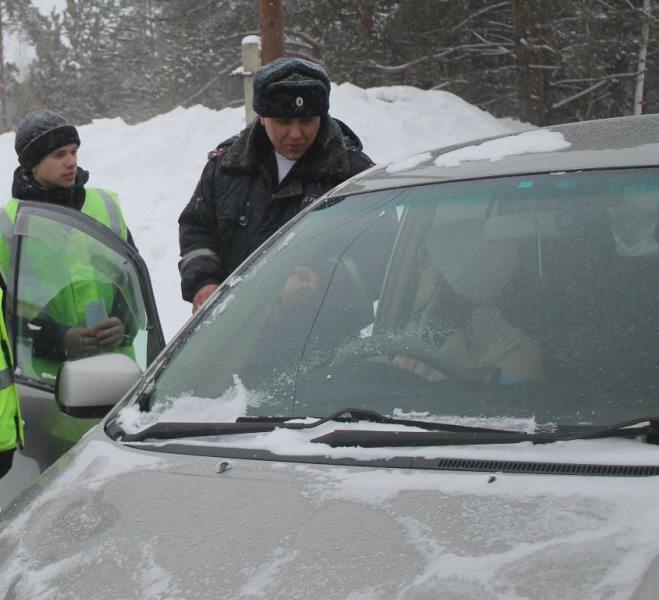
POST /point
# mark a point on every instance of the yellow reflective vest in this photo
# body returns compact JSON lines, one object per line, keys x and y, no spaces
{"x":11,"y":423}
{"x":102,"y":205}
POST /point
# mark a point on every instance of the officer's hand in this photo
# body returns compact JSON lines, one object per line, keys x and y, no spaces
{"x":301,"y":286}
{"x":109,"y":333}
{"x":202,"y":295}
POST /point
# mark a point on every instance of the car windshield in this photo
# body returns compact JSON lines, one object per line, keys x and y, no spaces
{"x":515,"y":297}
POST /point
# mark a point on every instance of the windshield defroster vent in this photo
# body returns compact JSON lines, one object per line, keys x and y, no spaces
{"x":504,"y":466}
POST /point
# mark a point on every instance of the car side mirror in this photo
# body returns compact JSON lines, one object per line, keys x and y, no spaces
{"x":90,"y":387}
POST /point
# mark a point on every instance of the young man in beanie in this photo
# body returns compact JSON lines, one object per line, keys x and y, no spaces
{"x":47,"y":147}
{"x":256,"y":181}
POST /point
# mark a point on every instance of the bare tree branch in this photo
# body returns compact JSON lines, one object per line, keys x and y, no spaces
{"x":588,"y":79}
{"x":472,"y":16}
{"x":578,"y":95}
{"x":409,"y":64}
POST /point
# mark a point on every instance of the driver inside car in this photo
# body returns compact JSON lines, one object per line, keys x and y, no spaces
{"x":461,"y":278}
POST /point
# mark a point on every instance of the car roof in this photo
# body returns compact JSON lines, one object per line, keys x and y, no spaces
{"x":599,"y":144}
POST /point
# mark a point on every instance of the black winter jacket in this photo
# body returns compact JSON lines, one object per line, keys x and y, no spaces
{"x":238,"y":203}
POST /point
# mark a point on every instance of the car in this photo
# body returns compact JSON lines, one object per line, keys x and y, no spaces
{"x":438,"y":380}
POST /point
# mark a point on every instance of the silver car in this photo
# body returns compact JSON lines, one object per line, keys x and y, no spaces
{"x":439,"y":381}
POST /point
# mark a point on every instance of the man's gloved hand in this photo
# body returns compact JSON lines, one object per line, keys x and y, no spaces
{"x":83,"y":341}
{"x":110,"y":333}
{"x":202,"y":295}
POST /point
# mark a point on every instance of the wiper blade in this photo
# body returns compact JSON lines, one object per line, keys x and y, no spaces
{"x":167,"y":430}
{"x":381,"y":439}
{"x":631,"y":428}
{"x":170,"y":430}
{"x":353,"y":415}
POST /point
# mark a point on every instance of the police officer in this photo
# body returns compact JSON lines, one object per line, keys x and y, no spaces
{"x":256,"y":181}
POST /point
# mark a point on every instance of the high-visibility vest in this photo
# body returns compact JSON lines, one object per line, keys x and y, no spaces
{"x":102,"y":205}
{"x":11,"y":423}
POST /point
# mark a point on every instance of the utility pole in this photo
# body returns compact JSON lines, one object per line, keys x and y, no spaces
{"x":271,"y":13}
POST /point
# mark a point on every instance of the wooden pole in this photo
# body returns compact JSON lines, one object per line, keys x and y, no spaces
{"x":530,"y":74}
{"x":272,"y":29}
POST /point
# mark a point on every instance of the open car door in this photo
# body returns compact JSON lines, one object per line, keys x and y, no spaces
{"x":67,"y":271}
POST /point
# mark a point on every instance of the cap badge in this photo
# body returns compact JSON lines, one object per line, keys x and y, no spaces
{"x":299,"y":101}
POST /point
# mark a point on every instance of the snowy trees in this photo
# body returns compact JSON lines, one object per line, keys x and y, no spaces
{"x":134,"y":58}
{"x":545,"y":62}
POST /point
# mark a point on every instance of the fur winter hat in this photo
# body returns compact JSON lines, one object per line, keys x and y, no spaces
{"x":289,"y":88}
{"x":41,"y":132}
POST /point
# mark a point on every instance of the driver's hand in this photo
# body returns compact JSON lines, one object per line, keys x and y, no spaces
{"x":301,"y":286}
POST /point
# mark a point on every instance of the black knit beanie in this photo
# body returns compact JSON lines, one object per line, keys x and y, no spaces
{"x":41,"y":132}
{"x":289,"y":88}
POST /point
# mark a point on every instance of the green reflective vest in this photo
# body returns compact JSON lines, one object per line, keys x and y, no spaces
{"x":99,"y":204}
{"x":11,"y":423}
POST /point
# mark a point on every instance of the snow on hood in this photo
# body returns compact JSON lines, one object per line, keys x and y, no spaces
{"x":122,"y":523}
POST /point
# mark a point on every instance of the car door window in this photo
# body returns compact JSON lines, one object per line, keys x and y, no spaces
{"x":68,"y":273}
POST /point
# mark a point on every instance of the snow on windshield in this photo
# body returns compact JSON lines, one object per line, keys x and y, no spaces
{"x":232,"y":404}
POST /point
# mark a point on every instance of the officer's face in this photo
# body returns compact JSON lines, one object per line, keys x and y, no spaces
{"x":291,"y":137}
{"x":59,"y":168}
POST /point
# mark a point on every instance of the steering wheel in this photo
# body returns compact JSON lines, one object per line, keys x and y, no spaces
{"x":392,"y":346}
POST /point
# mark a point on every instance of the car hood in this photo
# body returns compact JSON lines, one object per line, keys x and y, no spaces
{"x":113,"y":522}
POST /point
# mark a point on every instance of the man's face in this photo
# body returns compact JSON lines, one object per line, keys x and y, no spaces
{"x":291,"y":137}
{"x":59,"y":168}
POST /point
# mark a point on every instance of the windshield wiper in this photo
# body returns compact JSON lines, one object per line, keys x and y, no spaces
{"x":436,"y":434}
{"x":163,"y":430}
{"x":381,"y":439}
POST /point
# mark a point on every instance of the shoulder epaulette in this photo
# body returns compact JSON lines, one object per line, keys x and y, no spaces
{"x":219,"y":151}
